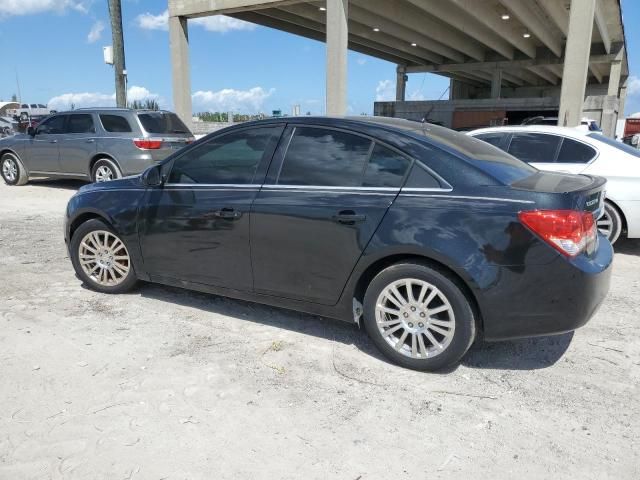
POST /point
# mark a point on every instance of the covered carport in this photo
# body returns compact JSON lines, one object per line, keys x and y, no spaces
{"x":552,"y":53}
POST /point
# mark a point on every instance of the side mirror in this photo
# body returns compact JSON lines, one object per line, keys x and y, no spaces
{"x":31,"y":131}
{"x":152,"y":177}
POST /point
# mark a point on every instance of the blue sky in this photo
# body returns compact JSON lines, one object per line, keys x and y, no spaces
{"x":55,"y":46}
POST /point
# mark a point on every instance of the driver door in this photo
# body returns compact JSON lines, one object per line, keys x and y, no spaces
{"x":43,"y":149}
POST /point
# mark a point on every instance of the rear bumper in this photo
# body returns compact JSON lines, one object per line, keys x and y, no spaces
{"x":547,"y":299}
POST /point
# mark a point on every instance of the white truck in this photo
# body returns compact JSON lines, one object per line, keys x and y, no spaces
{"x":28,"y":110}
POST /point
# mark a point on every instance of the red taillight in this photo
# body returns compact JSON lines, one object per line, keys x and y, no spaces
{"x":569,"y":231}
{"x":147,"y":144}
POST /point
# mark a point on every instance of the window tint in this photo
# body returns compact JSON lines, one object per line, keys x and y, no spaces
{"x":115,"y":123}
{"x":162,"y":122}
{"x":386,"y":168}
{"x":575,"y":152}
{"x":318,"y":156}
{"x":230,"y":159}
{"x":534,"y":147}
{"x":421,"y":178}
{"x":494,"y":139}
{"x":33,"y":105}
{"x":52,"y":125}
{"x":24,"y":105}
{"x":80,"y":123}
{"x":615,"y":144}
{"x":41,"y":106}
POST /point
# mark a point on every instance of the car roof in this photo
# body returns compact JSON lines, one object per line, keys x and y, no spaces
{"x":564,"y":131}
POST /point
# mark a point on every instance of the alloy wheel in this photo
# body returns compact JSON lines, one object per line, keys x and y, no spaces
{"x":10,"y":169}
{"x":605,"y":224}
{"x":104,"y":258}
{"x":415,"y":318}
{"x":104,"y":174}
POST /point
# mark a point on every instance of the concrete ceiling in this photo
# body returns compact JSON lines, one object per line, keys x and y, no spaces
{"x":463,"y":39}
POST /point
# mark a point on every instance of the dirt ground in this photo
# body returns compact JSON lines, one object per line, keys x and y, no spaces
{"x":168,"y":384}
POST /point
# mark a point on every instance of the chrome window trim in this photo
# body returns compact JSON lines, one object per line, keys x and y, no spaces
{"x":217,"y":185}
{"x":465,"y":197}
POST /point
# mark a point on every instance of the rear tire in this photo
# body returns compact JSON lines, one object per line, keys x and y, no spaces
{"x":610,"y":223}
{"x":12,"y":170}
{"x":105,"y":170}
{"x":434,"y":325}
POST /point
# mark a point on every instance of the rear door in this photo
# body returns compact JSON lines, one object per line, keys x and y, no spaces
{"x":537,"y":149}
{"x":42,"y":150}
{"x":78,"y":144}
{"x":574,"y":156}
{"x":326,"y":193}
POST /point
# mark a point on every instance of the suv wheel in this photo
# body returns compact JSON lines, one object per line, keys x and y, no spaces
{"x":418,"y":317}
{"x":610,"y":223}
{"x":104,"y":170}
{"x":12,"y":170}
{"x":101,"y":259}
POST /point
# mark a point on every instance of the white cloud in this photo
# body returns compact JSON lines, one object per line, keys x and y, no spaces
{"x":416,"y":95}
{"x":215,"y":23}
{"x":28,"y":7}
{"x":361,"y":61}
{"x":96,"y":32}
{"x":249,"y":101}
{"x":633,"y":86}
{"x":96,"y":99}
{"x":385,"y":91}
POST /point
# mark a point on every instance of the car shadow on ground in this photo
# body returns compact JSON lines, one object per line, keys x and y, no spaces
{"x":59,"y":184}
{"x":525,"y":354}
{"x":628,"y":246}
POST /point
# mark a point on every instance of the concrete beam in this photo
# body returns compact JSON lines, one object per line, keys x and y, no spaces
{"x":614,"y":74}
{"x":205,"y":8}
{"x":523,"y":11}
{"x":180,"y":69}
{"x":557,"y":13}
{"x":545,"y":74}
{"x":601,"y":24}
{"x":576,"y":64}
{"x":496,"y":83}
{"x":492,"y":21}
{"x":337,"y":39}
{"x":596,"y":72}
{"x":401,"y":83}
{"x":419,"y":22}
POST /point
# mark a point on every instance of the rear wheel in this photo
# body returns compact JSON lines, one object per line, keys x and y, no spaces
{"x":418,"y":316}
{"x":12,"y":170}
{"x":610,"y":223}
{"x":105,"y":170}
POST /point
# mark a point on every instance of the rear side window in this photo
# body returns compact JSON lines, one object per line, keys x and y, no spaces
{"x":229,"y":159}
{"x":494,"y":139}
{"x":386,"y":168}
{"x":324,"y":157}
{"x":162,"y":122}
{"x":534,"y":147}
{"x":80,"y":123}
{"x":575,"y":152}
{"x":115,"y":123}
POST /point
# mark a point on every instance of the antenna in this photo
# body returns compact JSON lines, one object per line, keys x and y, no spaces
{"x":18,"y":83}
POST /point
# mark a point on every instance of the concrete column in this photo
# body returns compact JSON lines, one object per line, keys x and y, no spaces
{"x":337,"y":39}
{"x":401,"y":83}
{"x":614,"y":74}
{"x":576,"y":62}
{"x":180,"y":69}
{"x":496,"y":83}
{"x":623,"y":99}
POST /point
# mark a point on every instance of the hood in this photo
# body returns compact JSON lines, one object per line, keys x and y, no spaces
{"x":134,"y":181}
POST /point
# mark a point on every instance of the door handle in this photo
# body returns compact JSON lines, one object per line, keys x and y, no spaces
{"x":91,"y":140}
{"x":348,"y":217}
{"x":53,"y":141}
{"x":227,"y":214}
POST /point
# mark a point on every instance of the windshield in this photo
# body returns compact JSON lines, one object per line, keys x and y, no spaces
{"x":162,"y":122}
{"x":615,"y":144}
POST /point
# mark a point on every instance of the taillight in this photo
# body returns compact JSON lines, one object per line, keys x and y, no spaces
{"x":147,"y":144}
{"x":569,"y":231}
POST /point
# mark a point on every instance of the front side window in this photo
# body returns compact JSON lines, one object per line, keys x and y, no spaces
{"x":386,"y":168}
{"x":115,"y":123}
{"x":575,"y":152}
{"x":324,"y":157}
{"x":534,"y":147}
{"x":229,"y":159}
{"x":80,"y":123}
{"x":52,"y":125}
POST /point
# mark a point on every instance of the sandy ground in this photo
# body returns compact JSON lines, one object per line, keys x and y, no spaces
{"x":167,"y":384}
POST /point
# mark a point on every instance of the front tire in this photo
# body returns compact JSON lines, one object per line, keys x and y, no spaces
{"x":418,"y":316}
{"x":101,"y":258}
{"x":105,"y":170}
{"x":12,"y":170}
{"x":610,"y":223}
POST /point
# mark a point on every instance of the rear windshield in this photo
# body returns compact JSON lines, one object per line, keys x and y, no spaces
{"x":615,"y":144}
{"x":162,"y":122}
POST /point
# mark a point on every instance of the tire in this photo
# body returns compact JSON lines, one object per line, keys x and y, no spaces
{"x":104,"y":170}
{"x":454,"y":315}
{"x":12,"y":170}
{"x":610,"y":223}
{"x":106,"y":264}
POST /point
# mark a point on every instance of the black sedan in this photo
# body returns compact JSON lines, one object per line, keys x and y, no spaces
{"x":428,"y":237}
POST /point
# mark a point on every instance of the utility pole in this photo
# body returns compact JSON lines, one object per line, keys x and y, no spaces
{"x":115,"y":12}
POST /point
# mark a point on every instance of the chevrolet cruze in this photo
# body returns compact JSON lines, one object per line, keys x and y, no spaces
{"x":428,"y":237}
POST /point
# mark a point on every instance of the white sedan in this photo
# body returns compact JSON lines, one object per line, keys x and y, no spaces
{"x":572,"y":150}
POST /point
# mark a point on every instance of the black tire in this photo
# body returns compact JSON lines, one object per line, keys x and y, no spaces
{"x":610,"y":224}
{"x":464,"y":330}
{"x":13,"y":163}
{"x":103,"y":165}
{"x":127,"y":282}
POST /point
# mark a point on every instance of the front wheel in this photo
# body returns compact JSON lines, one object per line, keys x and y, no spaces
{"x":418,"y":316}
{"x":610,"y":223}
{"x":105,"y":170}
{"x":12,"y":170}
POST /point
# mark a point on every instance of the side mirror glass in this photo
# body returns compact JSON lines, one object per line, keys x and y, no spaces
{"x":152,"y":177}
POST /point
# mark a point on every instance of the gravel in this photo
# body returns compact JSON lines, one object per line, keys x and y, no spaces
{"x":167,"y":383}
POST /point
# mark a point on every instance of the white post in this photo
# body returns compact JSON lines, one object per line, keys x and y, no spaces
{"x":401,"y":83}
{"x":337,"y":40}
{"x":179,"y":46}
